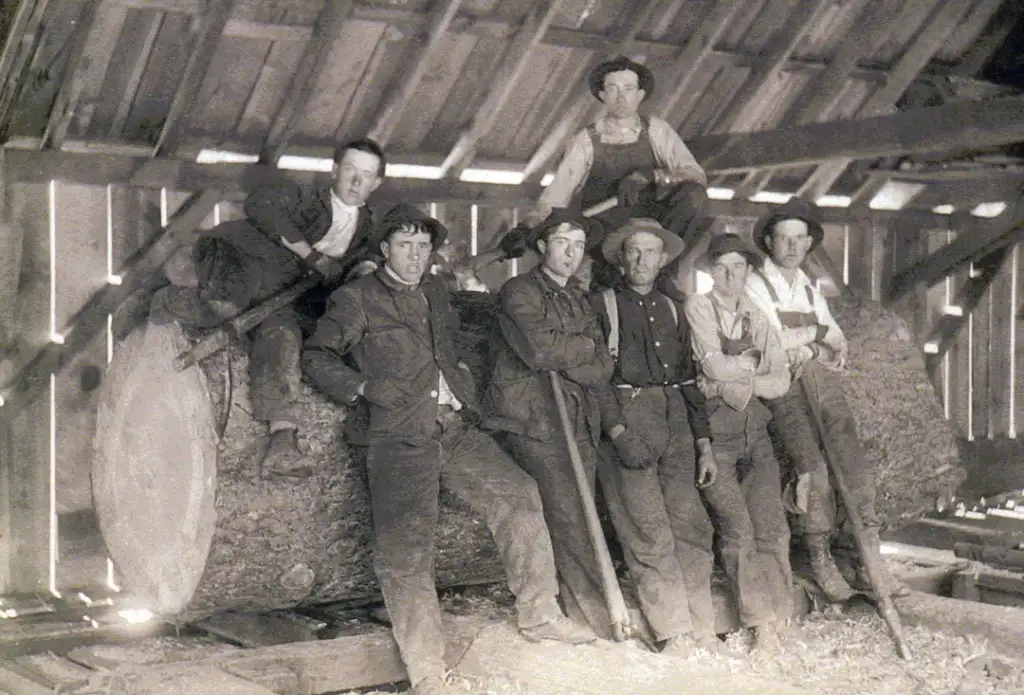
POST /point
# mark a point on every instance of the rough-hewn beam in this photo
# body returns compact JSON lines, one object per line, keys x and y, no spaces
{"x":990,"y":30}
{"x":580,"y":97}
{"x":517,"y":57}
{"x":401,"y":92}
{"x":913,"y":61}
{"x":326,"y":28}
{"x":139,"y":53}
{"x":22,"y":38}
{"x":206,"y":31}
{"x":92,"y":317}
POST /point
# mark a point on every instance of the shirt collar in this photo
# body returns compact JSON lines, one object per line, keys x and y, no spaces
{"x":772,"y":272}
{"x":572,"y":284}
{"x":606,"y":126}
{"x":744,"y":307}
{"x":338,"y":203}
{"x":392,"y":279}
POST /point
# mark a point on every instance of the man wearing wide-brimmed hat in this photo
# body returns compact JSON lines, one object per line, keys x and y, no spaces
{"x":655,"y":405}
{"x":817,"y":348}
{"x":387,"y":341}
{"x":742,"y":362}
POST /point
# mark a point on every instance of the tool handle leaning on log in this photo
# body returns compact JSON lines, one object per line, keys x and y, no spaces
{"x":243,"y":323}
{"x":869,"y":555}
{"x":621,"y":627}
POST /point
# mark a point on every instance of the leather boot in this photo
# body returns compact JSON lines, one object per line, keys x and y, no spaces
{"x":890,"y":584}
{"x":283,"y":457}
{"x":824,"y":570}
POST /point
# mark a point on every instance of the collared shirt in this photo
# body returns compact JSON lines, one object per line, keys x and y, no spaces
{"x":793,"y":298}
{"x":445,"y":396}
{"x":344,"y":221}
{"x":707,"y":326}
{"x":674,"y":160}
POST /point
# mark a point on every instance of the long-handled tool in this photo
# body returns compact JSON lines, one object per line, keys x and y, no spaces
{"x":621,"y":627}
{"x":869,"y":555}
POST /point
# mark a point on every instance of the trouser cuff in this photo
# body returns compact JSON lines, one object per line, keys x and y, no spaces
{"x":281,"y":425}
{"x":537,"y":612}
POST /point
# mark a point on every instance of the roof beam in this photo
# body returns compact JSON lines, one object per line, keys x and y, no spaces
{"x":206,"y":30}
{"x":399,"y":95}
{"x":580,"y":98}
{"x":914,"y":60}
{"x":326,"y":29}
{"x":517,"y":57}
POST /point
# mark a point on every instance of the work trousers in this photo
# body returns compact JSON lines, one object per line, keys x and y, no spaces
{"x":405,"y":482}
{"x":796,"y":432}
{"x":746,"y":501}
{"x":662,"y":526}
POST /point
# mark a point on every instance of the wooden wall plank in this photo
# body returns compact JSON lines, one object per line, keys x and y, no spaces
{"x":1017,"y":270}
{"x":1001,"y":326}
{"x":959,"y":372}
{"x":980,"y":329}
{"x":936,"y":298}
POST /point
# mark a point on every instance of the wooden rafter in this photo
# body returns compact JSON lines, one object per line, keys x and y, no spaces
{"x":206,"y":31}
{"x":325,"y":30}
{"x":874,"y":182}
{"x":91,"y":319}
{"x":517,"y":57}
{"x":580,"y":97}
{"x":400,"y":93}
{"x":991,"y":30}
{"x":914,"y":59}
{"x":18,"y":46}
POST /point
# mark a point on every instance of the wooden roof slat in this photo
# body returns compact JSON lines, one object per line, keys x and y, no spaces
{"x":581,"y":97}
{"x":517,"y":57}
{"x":207,"y":29}
{"x":914,"y":59}
{"x":286,"y":120}
{"x":18,"y":49}
{"x":109,"y":24}
{"x":141,"y":52}
{"x":989,"y":38}
{"x":400,"y":93}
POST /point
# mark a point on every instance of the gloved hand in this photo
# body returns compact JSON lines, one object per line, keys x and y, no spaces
{"x":634,"y":451}
{"x":329,"y":268}
{"x":513,"y":244}
{"x":636,"y":188}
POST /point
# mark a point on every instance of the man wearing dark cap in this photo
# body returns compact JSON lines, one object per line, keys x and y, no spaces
{"x":656,"y":509}
{"x":289,"y":231}
{"x":387,"y":339}
{"x":817,"y":350}
{"x":546,"y":325}
{"x":742,"y":362}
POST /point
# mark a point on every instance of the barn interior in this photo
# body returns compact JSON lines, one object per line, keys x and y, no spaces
{"x":129,"y":126}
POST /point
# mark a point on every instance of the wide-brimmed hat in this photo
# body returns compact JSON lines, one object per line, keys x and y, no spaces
{"x":722,"y":244}
{"x":559,"y":216}
{"x":611,"y":245}
{"x":645,"y":78}
{"x":793,"y":209}
{"x":403,"y":214}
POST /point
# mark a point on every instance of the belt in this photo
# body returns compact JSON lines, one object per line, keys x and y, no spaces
{"x":667,"y":384}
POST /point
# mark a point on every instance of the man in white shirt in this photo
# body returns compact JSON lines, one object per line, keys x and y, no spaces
{"x":817,"y":351}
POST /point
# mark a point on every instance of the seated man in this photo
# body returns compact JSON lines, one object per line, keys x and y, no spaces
{"x":741,"y":362}
{"x":657,"y":413}
{"x":387,"y":338}
{"x":288,"y":232}
{"x":817,"y":349}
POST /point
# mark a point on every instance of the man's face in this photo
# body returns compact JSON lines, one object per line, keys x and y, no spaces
{"x":789,"y":242}
{"x":622,"y":94}
{"x":563,"y":250}
{"x":356,"y":176}
{"x":408,"y":253}
{"x":642,"y":258}
{"x":729,"y":272}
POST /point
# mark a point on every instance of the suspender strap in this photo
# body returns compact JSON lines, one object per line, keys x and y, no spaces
{"x":612,"y":307}
{"x":775,"y":295}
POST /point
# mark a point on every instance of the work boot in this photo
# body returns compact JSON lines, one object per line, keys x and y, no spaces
{"x":561,"y":629}
{"x":824,"y":570}
{"x":184,"y":306}
{"x":766,"y":639}
{"x":890,"y":585}
{"x":283,"y":457}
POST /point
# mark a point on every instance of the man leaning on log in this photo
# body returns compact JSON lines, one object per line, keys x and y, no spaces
{"x":387,"y":339}
{"x":288,"y":232}
{"x":742,"y":362}
{"x":817,"y":350}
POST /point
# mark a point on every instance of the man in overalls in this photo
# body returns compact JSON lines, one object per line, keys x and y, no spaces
{"x":638,"y":160}
{"x":816,"y":349}
{"x":742,"y":362}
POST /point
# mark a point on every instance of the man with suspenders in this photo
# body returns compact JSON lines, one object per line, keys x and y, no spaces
{"x":742,"y":362}
{"x":816,"y":348}
{"x":656,"y":509}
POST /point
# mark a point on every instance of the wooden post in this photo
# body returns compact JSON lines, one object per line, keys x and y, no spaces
{"x":1002,"y":316}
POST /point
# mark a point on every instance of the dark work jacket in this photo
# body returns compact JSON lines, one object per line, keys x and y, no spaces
{"x":398,"y":340}
{"x":655,"y":348}
{"x":544,"y":328}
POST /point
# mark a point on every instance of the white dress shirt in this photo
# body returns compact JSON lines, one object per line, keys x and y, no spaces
{"x":344,"y":221}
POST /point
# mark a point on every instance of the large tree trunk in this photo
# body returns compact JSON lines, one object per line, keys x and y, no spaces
{"x":193,"y":530}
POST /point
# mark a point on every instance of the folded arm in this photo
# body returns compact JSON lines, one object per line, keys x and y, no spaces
{"x":338,"y":332}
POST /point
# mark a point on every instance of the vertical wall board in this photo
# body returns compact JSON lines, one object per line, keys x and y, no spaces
{"x":1000,"y":343}
{"x":980,"y":398}
{"x":834,"y":245}
{"x":1017,"y":268}
{"x":135,"y":220}
{"x":959,"y":367}
{"x":919,"y":300}
{"x":902,"y":249}
{"x":935,"y":303}
{"x":492,"y":224}
{"x":866,"y":249}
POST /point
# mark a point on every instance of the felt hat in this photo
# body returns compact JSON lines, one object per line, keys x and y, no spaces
{"x":611,"y":245}
{"x":722,"y":244}
{"x":403,"y":214}
{"x":793,"y":209}
{"x":645,"y":78}
{"x":559,"y":216}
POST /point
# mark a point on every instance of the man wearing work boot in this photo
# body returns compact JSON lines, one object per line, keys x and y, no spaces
{"x":289,"y":232}
{"x":665,"y":532}
{"x":741,"y":363}
{"x":636,"y":160}
{"x":816,"y":348}
{"x":387,"y":340}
